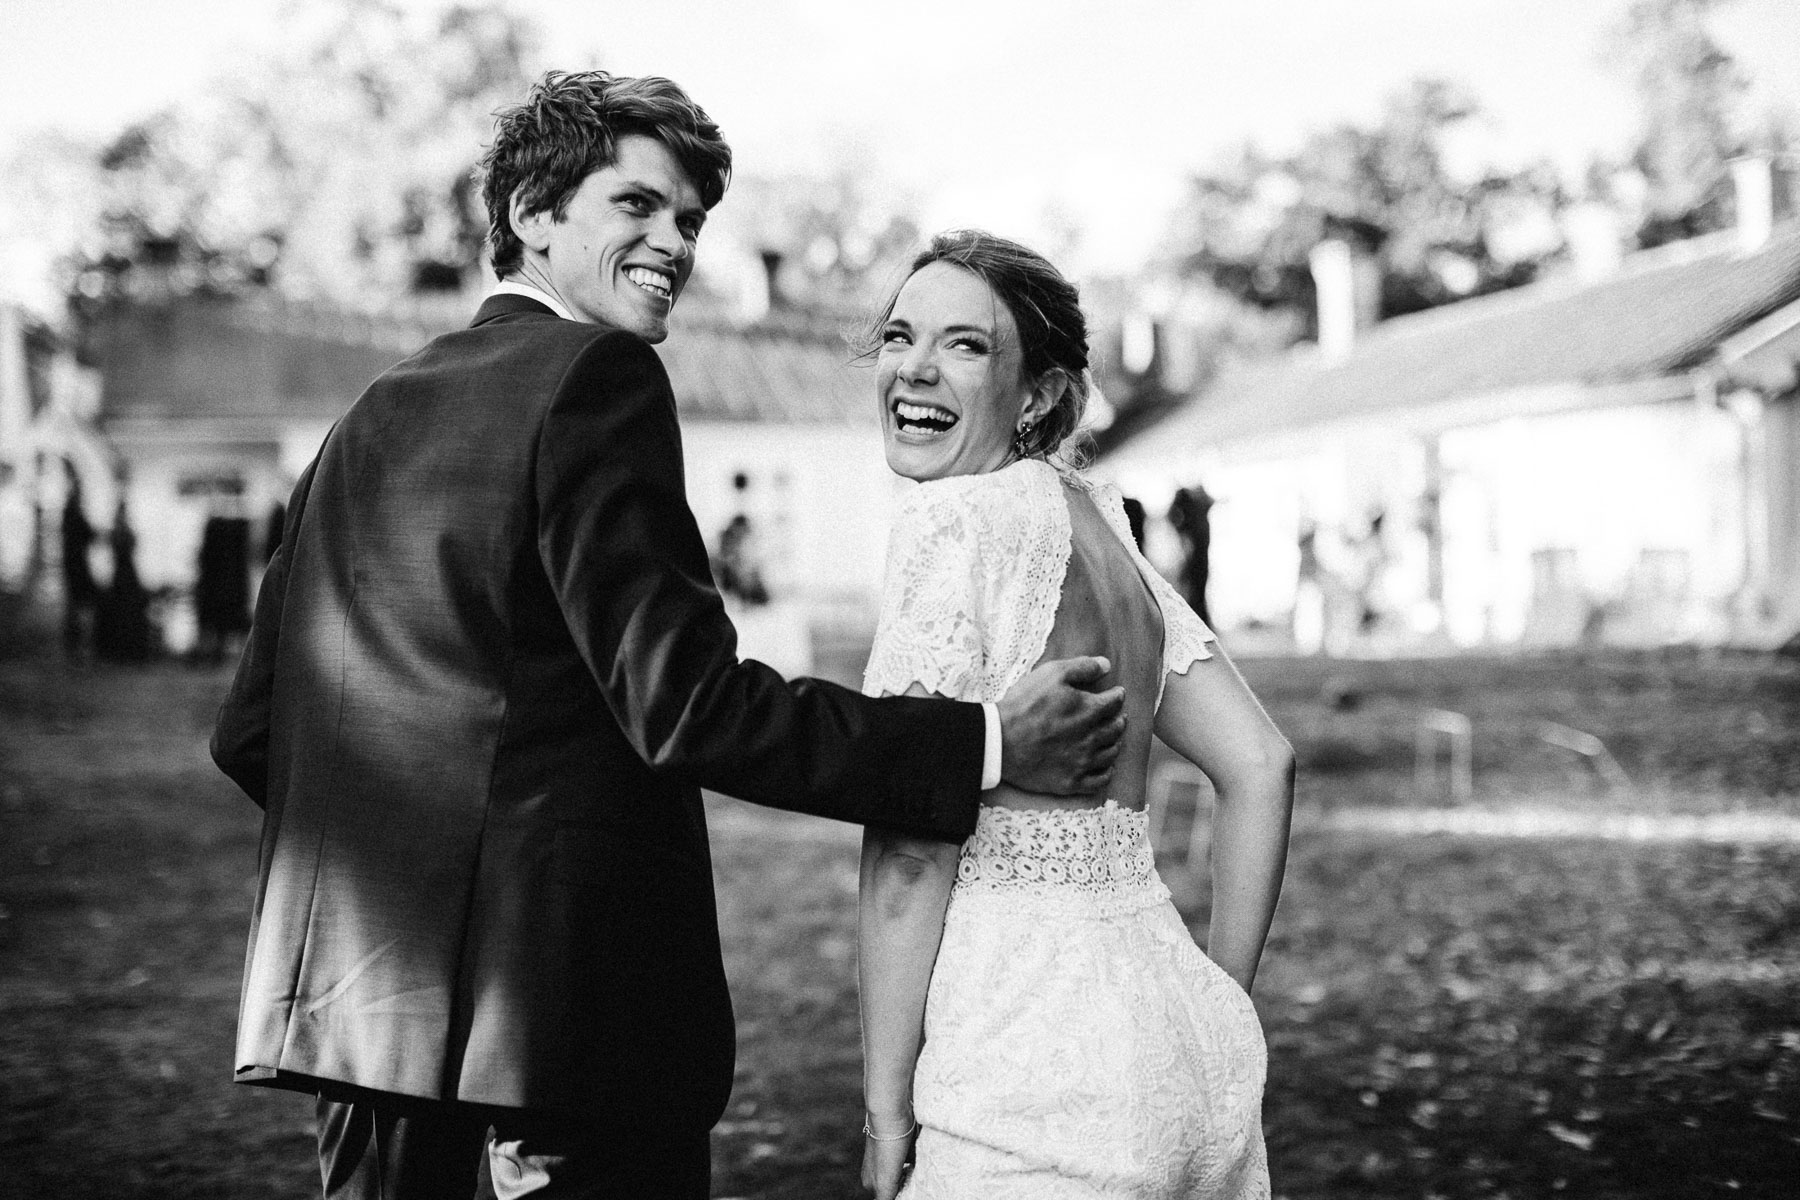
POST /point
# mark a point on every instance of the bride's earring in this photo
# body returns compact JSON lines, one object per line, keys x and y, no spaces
{"x":1019,"y":445}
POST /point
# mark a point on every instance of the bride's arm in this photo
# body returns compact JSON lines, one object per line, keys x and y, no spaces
{"x":930,"y":640}
{"x":1209,"y":716}
{"x":904,"y":890}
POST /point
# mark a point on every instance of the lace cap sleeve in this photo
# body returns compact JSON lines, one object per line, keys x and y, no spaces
{"x":1185,"y":635}
{"x":930,"y":630}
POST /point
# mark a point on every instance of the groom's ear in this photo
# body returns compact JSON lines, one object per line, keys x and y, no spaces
{"x":531,"y":228}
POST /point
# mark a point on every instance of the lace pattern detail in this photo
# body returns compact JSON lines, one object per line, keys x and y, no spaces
{"x":975,"y":571}
{"x":974,"y":574}
{"x":1077,"y":861}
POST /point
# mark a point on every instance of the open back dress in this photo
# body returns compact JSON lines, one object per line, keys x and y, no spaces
{"x":1078,"y":1044}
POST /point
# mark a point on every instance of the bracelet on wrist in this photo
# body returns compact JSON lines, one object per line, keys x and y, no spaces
{"x":869,"y":1132}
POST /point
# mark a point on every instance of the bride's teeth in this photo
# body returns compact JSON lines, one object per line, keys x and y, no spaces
{"x":920,"y":412}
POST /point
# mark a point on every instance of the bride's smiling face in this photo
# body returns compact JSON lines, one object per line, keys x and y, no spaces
{"x":948,"y":376}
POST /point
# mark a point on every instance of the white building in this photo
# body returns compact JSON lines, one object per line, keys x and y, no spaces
{"x":47,"y":409}
{"x":215,"y":406}
{"x":1611,"y":456}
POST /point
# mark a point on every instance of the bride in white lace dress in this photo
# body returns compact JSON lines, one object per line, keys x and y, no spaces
{"x":1035,"y":1012}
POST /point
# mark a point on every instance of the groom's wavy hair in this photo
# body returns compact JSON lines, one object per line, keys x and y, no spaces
{"x":1045,"y":308}
{"x":569,"y":126}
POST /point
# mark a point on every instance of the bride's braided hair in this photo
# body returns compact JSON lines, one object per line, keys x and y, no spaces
{"x":1046,"y":309}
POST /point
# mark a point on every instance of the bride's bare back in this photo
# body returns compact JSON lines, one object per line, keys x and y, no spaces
{"x":1106,"y":608}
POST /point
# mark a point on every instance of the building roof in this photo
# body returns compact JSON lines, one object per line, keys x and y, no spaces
{"x":1664,"y":312}
{"x":763,"y":373}
{"x":264,"y":360}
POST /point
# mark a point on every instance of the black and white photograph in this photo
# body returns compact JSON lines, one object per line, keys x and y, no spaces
{"x":964,"y":600}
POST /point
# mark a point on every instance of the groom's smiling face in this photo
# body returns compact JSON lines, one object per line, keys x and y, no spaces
{"x":624,"y":246}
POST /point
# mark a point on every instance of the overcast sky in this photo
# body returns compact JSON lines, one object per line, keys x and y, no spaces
{"x":996,"y":111}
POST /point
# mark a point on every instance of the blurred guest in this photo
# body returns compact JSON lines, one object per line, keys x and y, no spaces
{"x":1190,"y":512}
{"x":122,"y":617}
{"x":79,"y":590}
{"x":1372,"y":561}
{"x":222,"y":587}
{"x":738,"y":568}
{"x":1311,"y":595}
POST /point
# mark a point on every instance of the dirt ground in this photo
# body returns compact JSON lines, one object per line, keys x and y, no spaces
{"x":1447,"y":1016}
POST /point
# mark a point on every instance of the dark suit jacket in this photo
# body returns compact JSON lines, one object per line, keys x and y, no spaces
{"x":487,"y":678}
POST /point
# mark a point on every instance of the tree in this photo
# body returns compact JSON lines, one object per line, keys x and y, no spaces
{"x":1691,"y":94}
{"x":338,"y":166}
{"x":837,"y":240}
{"x":1250,"y":225}
{"x":49,"y":209}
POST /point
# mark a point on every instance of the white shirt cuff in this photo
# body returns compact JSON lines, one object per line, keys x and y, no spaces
{"x":990,"y":747}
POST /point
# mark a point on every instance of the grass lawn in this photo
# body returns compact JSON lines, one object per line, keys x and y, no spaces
{"x":1446,"y":1016}
{"x":1693,"y":731}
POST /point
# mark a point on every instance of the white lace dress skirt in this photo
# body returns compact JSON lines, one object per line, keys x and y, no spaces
{"x":1078,"y":1044}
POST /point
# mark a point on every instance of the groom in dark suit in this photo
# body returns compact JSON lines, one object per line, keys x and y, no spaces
{"x":489,"y":676}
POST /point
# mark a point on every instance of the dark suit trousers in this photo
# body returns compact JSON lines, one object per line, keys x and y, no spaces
{"x":383,"y":1147}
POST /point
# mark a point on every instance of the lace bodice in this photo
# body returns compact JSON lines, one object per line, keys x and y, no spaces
{"x":974,"y":575}
{"x":1076,"y":861}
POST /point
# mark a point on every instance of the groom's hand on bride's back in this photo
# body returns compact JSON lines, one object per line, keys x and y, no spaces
{"x":1057,"y":735}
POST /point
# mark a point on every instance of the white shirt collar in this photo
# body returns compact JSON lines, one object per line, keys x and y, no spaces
{"x":512,"y":287}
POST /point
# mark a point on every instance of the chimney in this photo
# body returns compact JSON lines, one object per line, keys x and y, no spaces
{"x":1753,"y":182}
{"x":1178,"y":344}
{"x":1137,"y":342}
{"x":1591,"y":229}
{"x":1347,"y":279}
{"x":756,"y":293}
{"x":771,"y":261}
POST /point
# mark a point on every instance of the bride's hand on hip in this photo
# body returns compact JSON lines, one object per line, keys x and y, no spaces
{"x":1057,"y":735}
{"x":885,"y":1160}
